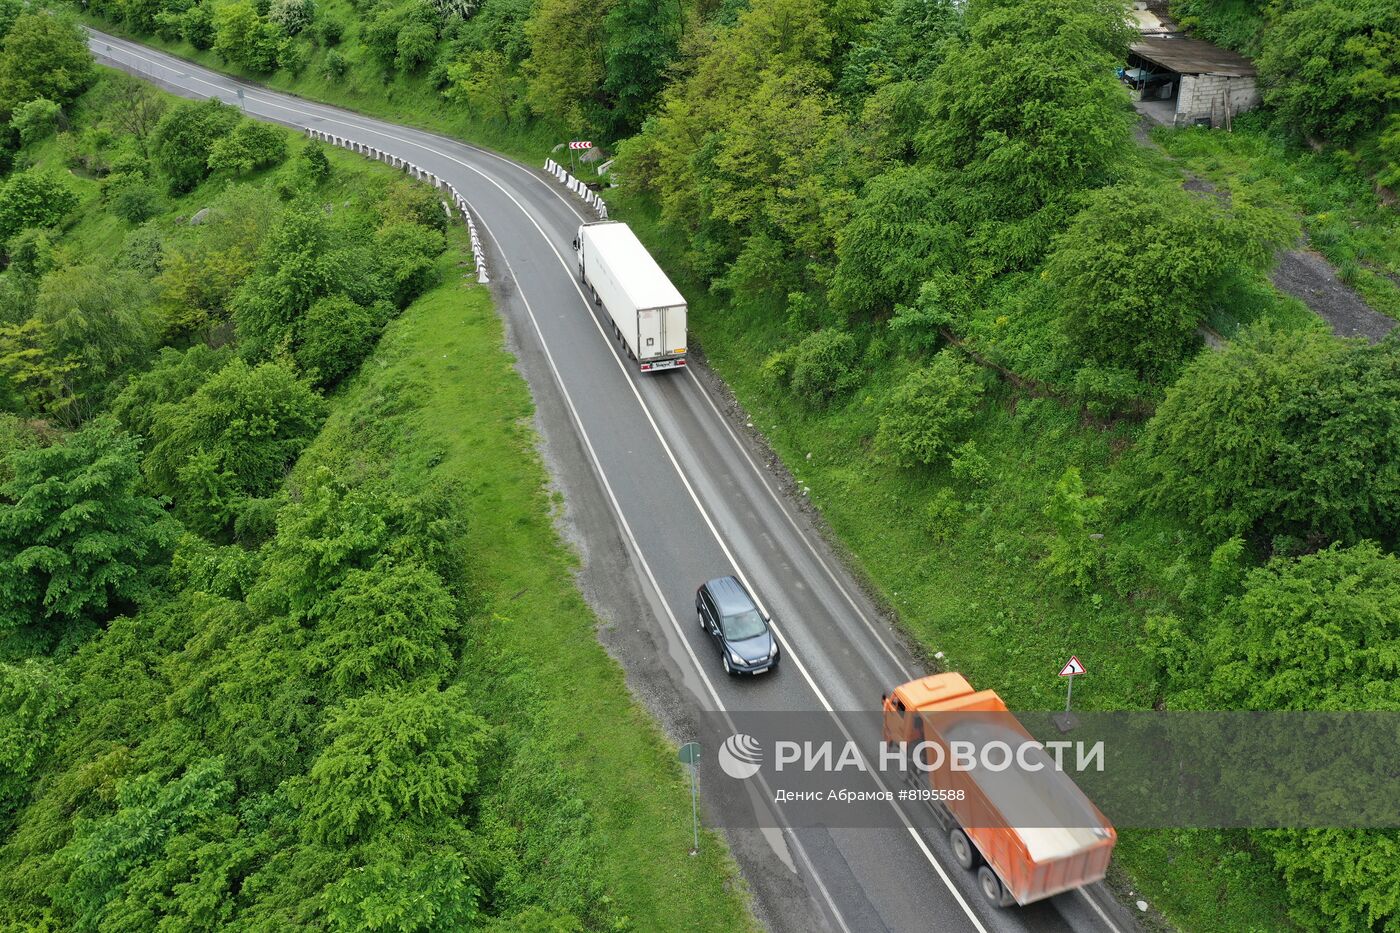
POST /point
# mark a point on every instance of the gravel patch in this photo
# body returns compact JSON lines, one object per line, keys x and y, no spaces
{"x":1310,"y":278}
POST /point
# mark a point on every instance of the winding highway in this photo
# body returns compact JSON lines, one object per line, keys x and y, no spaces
{"x":665,"y":490}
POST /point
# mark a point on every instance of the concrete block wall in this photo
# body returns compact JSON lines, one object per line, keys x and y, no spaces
{"x":1206,"y":96}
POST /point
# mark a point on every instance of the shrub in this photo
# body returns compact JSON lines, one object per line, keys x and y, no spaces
{"x":233,"y":438}
{"x":820,"y":369}
{"x":34,"y":198}
{"x":393,"y":756}
{"x":251,"y":146}
{"x":331,"y":31}
{"x":1074,"y":556}
{"x":1135,"y":271}
{"x":406,"y":253}
{"x":335,"y":335}
{"x":416,"y":43}
{"x":36,"y":119}
{"x":925,"y":415}
{"x":336,"y":64}
{"x":53,"y":568}
{"x":1295,"y":434}
{"x":185,"y":137}
{"x":1331,"y":66}
{"x":132,"y":196}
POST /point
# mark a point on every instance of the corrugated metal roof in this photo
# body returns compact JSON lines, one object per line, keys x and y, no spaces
{"x":1194,"y":57}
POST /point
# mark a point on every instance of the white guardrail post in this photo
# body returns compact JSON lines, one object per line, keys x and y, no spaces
{"x":371,"y":152}
{"x":577,"y":187}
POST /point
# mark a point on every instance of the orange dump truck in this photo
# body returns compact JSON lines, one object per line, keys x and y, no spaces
{"x":1028,"y":830}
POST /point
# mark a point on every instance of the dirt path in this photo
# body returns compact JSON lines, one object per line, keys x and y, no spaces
{"x":1305,"y":275}
{"x":1310,"y":278}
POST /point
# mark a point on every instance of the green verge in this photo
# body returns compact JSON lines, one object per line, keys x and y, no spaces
{"x":461,"y":413}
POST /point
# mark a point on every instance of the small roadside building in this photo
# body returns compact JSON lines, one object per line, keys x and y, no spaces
{"x":1185,"y":82}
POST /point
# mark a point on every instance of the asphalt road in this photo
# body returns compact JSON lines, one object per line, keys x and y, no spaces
{"x":665,"y":491}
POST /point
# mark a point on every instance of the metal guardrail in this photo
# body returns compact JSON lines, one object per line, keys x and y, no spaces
{"x":577,"y":187}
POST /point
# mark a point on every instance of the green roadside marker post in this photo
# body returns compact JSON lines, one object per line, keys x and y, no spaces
{"x":690,"y":754}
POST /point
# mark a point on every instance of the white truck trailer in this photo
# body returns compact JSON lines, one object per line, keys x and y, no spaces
{"x":646,"y":310}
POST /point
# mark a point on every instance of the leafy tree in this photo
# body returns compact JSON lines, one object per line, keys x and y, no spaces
{"x":251,"y":146}
{"x":94,"y":316}
{"x":926,"y":414}
{"x":34,"y":379}
{"x":404,"y":756}
{"x":43,"y":55}
{"x":899,"y":231}
{"x":1027,"y":111}
{"x":33,"y":694}
{"x":295,"y":266}
{"x":751,"y":148}
{"x":642,"y":39}
{"x":1281,"y":433}
{"x":172,"y":378}
{"x":818,"y":370}
{"x":566,"y":63}
{"x":34,"y":198}
{"x":1332,"y":67}
{"x":1136,"y":270}
{"x":407,"y":889}
{"x":36,"y":119}
{"x":10,"y":11}
{"x":185,"y":137}
{"x":234,"y":437}
{"x":387,"y":626}
{"x":126,"y":867}
{"x":487,"y":83}
{"x":407,"y":254}
{"x":241,"y":35}
{"x":292,"y":15}
{"x":79,"y":541}
{"x":903,"y":45}
{"x":334,"y":336}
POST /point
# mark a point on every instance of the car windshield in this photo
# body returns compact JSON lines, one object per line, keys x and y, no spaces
{"x":741,"y":625}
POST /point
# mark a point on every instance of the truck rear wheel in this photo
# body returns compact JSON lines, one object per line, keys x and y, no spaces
{"x":963,"y":853}
{"x":992,"y":888}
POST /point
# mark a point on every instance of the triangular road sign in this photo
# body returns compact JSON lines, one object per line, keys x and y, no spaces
{"x":1072,"y":668}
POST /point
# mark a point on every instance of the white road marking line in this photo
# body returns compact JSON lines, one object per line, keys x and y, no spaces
{"x":646,"y":567}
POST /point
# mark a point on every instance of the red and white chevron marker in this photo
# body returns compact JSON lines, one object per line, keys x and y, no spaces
{"x":580,"y":144}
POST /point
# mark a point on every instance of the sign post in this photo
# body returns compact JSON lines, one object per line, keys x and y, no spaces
{"x":690,"y":754}
{"x":577,"y":144}
{"x":1073,"y":668}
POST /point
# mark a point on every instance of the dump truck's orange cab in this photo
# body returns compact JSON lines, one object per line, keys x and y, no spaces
{"x":1065,"y":842}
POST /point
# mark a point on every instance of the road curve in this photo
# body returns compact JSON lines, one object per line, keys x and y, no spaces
{"x":682,"y":498}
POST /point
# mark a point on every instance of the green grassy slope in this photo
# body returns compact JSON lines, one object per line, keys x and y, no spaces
{"x":458,"y":411}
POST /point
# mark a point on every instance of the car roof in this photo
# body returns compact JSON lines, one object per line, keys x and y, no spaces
{"x":729,"y":595}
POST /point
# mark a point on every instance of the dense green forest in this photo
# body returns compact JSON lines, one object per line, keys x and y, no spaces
{"x":924,"y":247}
{"x":259,"y":660}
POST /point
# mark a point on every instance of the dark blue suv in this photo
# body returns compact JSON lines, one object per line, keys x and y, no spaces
{"x":740,"y":630}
